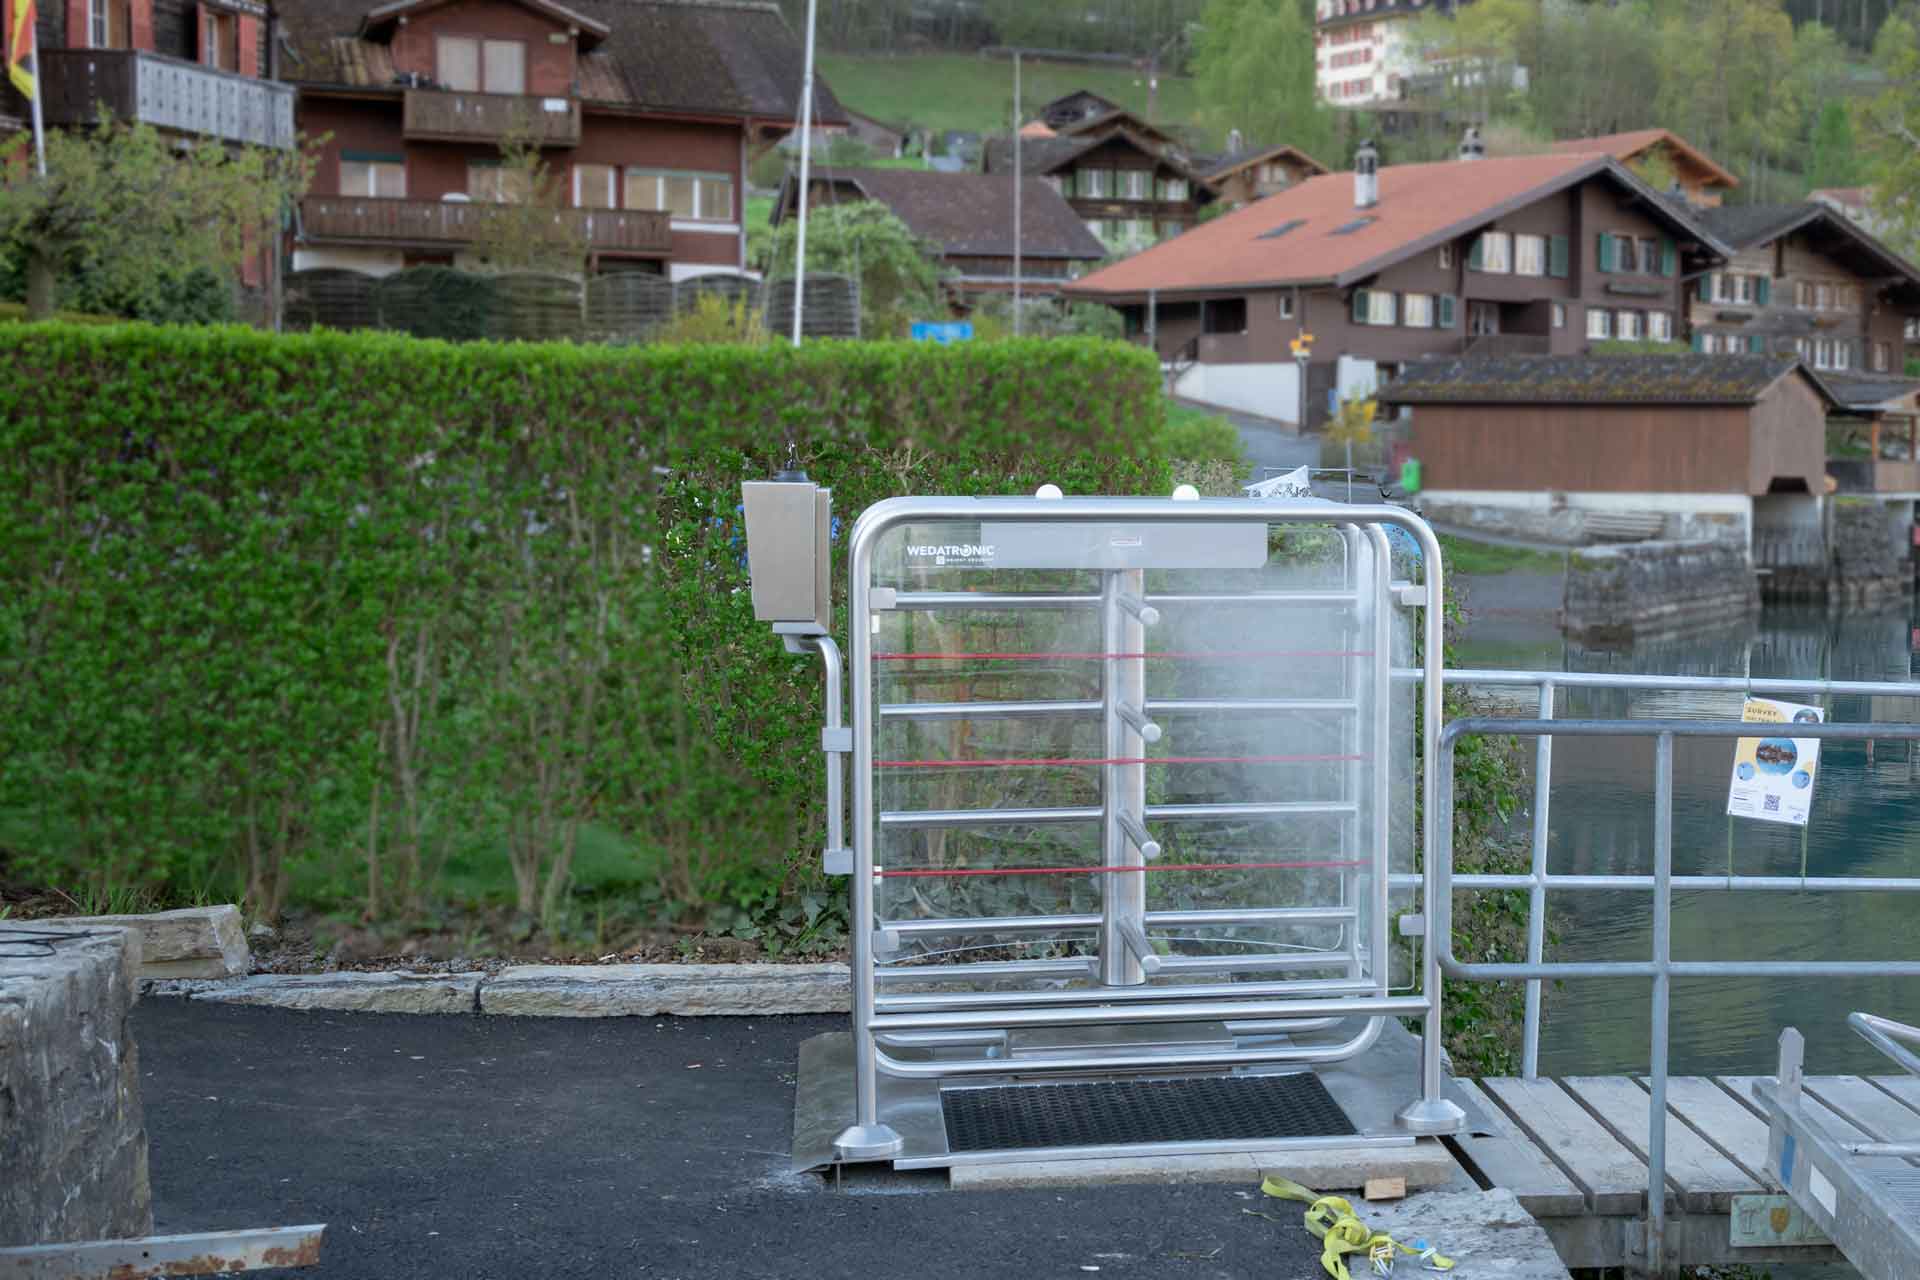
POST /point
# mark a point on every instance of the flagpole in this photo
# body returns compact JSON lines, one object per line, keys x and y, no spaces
{"x":39,"y":87}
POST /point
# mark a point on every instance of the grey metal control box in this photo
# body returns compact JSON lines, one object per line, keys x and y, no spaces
{"x":788,"y":523}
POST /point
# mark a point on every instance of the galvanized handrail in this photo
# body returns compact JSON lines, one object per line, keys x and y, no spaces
{"x":1660,"y":968}
{"x":1536,"y":881}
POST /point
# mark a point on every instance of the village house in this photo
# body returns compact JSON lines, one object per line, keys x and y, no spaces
{"x":648,"y":112}
{"x":967,"y":220}
{"x":1544,"y":254}
{"x":1807,"y":281}
{"x":1684,"y":167}
{"x":1243,"y":174}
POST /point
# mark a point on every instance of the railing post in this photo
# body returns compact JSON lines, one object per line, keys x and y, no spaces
{"x":1537,"y":895}
{"x":1662,"y":955}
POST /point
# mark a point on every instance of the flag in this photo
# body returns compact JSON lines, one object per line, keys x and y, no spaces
{"x":23,"y":63}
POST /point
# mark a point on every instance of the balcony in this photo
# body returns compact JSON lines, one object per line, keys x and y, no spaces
{"x":442,"y":115}
{"x":1497,"y":345}
{"x":167,"y":93}
{"x":357,"y":220}
{"x":1869,"y":475}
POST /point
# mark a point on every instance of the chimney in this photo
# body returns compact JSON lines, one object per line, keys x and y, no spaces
{"x":1471,"y":148}
{"x":1366,"y":176}
{"x":1234,"y":142}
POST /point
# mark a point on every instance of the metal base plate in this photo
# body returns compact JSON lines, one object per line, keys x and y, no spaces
{"x":1369,"y":1089}
{"x":1128,"y":1112}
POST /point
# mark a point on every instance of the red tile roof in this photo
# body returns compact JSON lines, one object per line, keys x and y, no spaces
{"x":1626,"y":146}
{"x":1312,"y":233}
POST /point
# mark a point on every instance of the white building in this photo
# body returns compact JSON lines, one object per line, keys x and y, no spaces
{"x":1362,"y":51}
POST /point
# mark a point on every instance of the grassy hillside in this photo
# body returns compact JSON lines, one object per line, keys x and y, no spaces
{"x":963,"y":91}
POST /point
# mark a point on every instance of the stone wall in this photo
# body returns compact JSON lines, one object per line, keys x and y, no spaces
{"x":73,"y":1144}
{"x":1654,"y":588}
{"x":1872,"y":556}
{"x":1578,"y":519}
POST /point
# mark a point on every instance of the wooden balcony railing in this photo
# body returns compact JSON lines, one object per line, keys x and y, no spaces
{"x":167,"y":93}
{"x":405,"y":223}
{"x":441,"y":115}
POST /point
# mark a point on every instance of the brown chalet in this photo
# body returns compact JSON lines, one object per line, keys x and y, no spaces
{"x":967,"y":219}
{"x":647,"y":111}
{"x":1545,"y":254}
{"x":1703,"y":182}
{"x":1245,"y":175}
{"x":1128,"y":180}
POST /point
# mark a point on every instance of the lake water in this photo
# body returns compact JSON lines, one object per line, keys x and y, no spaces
{"x":1865,"y":821}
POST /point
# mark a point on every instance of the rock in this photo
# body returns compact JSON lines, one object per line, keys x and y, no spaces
{"x":353,"y":992}
{"x":195,"y":942}
{"x":73,"y":1141}
{"x":622,"y":990}
{"x":1486,"y":1233}
{"x":262,"y":930}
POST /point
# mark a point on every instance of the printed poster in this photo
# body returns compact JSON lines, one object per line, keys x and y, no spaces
{"x":1773,"y":777}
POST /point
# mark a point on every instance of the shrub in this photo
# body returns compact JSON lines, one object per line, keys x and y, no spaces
{"x":313,"y":614}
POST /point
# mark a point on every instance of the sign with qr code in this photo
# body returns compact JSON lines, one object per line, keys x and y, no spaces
{"x":1773,"y":777}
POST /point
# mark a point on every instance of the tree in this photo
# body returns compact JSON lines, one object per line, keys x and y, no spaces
{"x":1474,"y":49}
{"x":136,"y":212}
{"x":1893,"y":132}
{"x":1594,"y":68}
{"x":525,"y":225}
{"x":1833,"y":162}
{"x":899,"y":281}
{"x":1253,"y":69}
{"x":1726,"y":71}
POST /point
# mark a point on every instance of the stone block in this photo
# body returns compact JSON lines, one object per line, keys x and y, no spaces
{"x":194,"y":942}
{"x":1486,"y":1233}
{"x":73,"y":1140}
{"x":349,"y":992}
{"x":645,"y":990}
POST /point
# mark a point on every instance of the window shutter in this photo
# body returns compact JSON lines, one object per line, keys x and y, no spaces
{"x":1359,"y":306}
{"x":1477,"y":256}
{"x":1603,"y":252}
{"x":1699,"y":341}
{"x":1443,"y":311}
{"x":1703,"y":289}
{"x":1669,"y":257}
{"x":1393,"y":308}
{"x":1763,"y":290}
{"x":1756,"y":345}
{"x":1557,"y":255}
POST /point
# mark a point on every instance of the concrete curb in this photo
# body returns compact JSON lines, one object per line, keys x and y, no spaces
{"x":543,"y":991}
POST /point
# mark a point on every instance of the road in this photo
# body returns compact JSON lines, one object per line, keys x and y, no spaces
{"x":1270,"y":445}
{"x":450,"y":1146}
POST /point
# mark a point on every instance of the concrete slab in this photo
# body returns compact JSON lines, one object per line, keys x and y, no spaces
{"x":647,"y":990}
{"x":349,"y":992}
{"x":1486,"y":1233}
{"x":1426,"y":1163}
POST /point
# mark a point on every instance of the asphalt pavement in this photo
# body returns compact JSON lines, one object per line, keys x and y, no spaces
{"x":473,"y":1147}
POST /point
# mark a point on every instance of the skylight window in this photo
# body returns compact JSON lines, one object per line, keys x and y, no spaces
{"x":1282,"y":229}
{"x":1348,"y":228}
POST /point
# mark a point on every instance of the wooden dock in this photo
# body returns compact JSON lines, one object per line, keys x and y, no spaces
{"x":1574,"y":1152}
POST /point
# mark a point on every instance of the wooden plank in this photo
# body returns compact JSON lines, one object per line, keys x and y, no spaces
{"x":1612,"y":1178}
{"x":1837,"y":1126}
{"x":1507,"y":1158}
{"x":1735,"y":1131}
{"x":1885,"y":1117}
{"x":1703,"y":1180}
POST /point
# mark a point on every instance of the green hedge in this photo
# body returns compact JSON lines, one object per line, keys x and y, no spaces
{"x":314,"y":615}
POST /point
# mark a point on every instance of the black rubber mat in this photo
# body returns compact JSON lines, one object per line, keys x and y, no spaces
{"x":1204,"y":1109}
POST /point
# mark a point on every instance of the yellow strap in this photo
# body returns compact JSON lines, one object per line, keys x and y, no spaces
{"x":1332,"y":1221}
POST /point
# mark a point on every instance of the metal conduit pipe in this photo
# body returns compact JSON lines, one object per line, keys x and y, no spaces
{"x":1093,"y":1015}
{"x":1119,"y":996}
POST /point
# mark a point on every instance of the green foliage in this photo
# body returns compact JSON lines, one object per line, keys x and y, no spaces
{"x":1045,"y":318}
{"x":899,"y":277}
{"x":330,"y":614}
{"x":1253,"y":66}
{"x":713,"y":318}
{"x":436,"y":302}
{"x":524,"y":226}
{"x":1892,"y":134}
{"x":1834,"y":164}
{"x":1488,"y":559}
{"x":1206,"y":449}
{"x":137,"y":223}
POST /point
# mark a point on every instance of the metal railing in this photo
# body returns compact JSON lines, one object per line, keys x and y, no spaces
{"x":1660,"y":968}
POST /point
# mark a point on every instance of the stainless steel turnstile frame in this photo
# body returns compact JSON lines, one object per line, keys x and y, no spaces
{"x":1126,"y":960}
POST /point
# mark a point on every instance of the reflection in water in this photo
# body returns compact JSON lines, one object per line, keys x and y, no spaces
{"x":1866,"y":821}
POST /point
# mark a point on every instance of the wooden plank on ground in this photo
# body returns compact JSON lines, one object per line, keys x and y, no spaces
{"x":1703,"y":1180}
{"x":1885,"y":1117}
{"x":1507,"y":1158}
{"x":1739,"y":1134}
{"x":1611,"y":1177}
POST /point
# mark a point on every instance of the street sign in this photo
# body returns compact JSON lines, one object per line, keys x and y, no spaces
{"x":951,"y":331}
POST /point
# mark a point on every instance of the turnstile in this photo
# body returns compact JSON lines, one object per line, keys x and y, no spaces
{"x":1131,"y":788}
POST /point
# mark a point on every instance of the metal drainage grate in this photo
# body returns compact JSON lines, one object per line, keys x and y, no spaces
{"x":1130,"y":1112}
